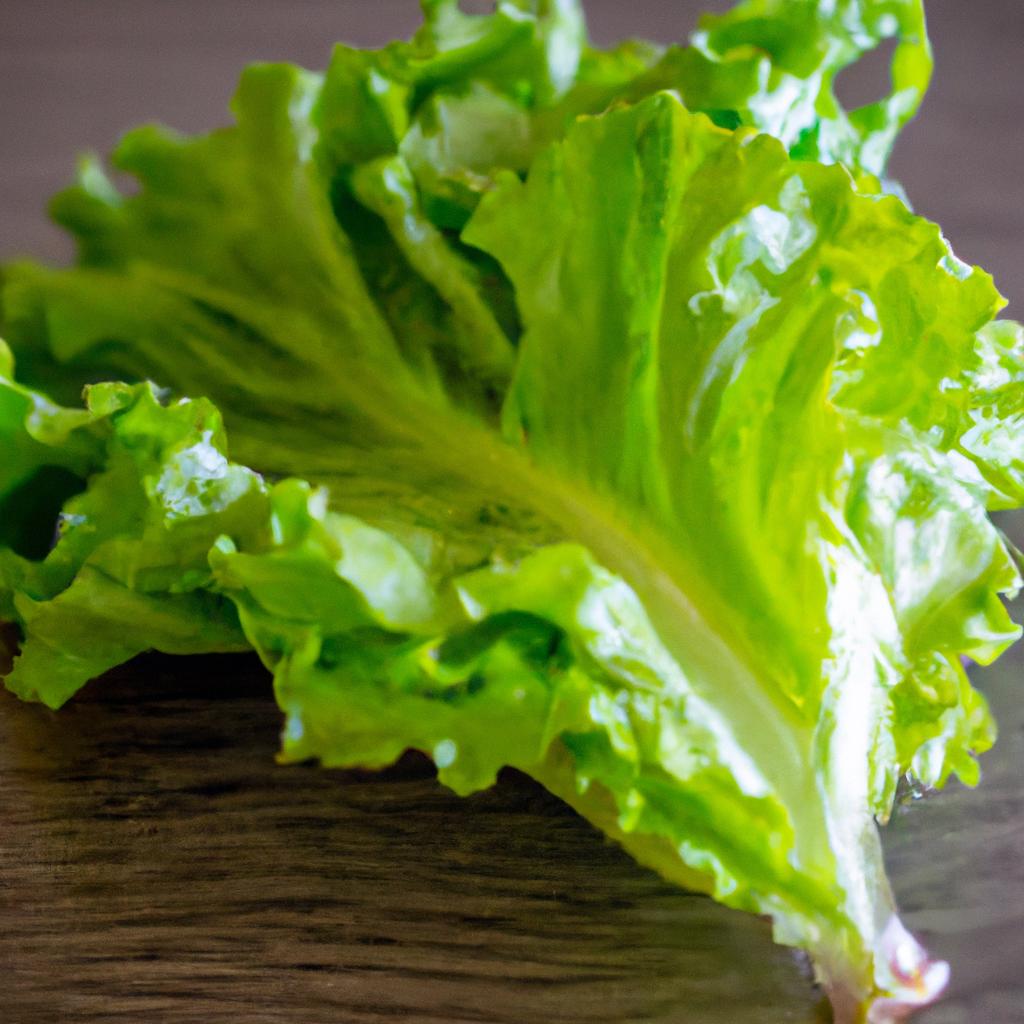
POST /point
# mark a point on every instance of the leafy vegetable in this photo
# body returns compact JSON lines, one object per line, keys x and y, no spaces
{"x":595,"y":413}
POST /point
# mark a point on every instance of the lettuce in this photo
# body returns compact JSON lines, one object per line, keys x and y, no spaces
{"x":601,"y":414}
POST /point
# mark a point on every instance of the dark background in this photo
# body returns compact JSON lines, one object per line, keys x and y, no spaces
{"x":155,"y":865}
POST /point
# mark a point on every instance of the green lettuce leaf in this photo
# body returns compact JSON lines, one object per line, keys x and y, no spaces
{"x":128,"y":571}
{"x":590,"y":413}
{"x":775,"y":63}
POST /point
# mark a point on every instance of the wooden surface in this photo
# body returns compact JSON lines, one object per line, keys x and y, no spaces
{"x":156,"y":865}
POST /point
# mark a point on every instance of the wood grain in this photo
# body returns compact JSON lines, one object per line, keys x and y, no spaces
{"x":157,"y":865}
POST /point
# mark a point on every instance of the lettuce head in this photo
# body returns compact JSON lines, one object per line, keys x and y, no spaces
{"x":601,"y":413}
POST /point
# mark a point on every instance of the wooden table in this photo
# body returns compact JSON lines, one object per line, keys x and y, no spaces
{"x":157,"y":866}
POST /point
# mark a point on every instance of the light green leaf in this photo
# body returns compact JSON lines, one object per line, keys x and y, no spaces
{"x":129,"y":570}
